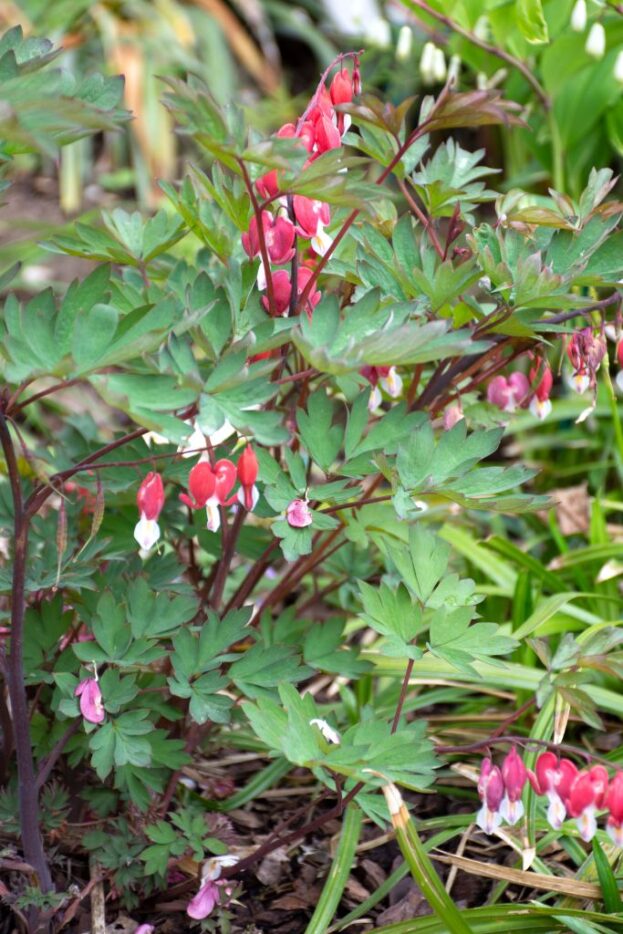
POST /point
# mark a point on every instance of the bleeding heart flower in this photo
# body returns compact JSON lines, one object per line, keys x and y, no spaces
{"x":201,"y":486}
{"x":540,"y":404}
{"x":298,"y":514}
{"x":515,"y":776}
{"x":509,"y":393}
{"x":586,"y":796}
{"x":282,"y":291}
{"x":312,"y":216}
{"x":204,"y":901}
{"x":91,"y":706}
{"x":150,"y":500}
{"x":491,"y":792}
{"x":303,"y":277}
{"x":247,"y":475}
{"x":614,"y":803}
{"x":554,"y":778}
{"x":225,"y":478}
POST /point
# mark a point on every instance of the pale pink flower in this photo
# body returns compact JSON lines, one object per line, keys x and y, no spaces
{"x":299,"y":514}
{"x":91,"y":706}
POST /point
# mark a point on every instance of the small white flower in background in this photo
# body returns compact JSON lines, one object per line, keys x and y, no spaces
{"x":596,"y":41}
{"x":454,"y":68}
{"x":331,"y":735}
{"x":618,"y":68}
{"x":481,"y":29}
{"x":578,"y":16}
{"x":439,"y":66}
{"x":619,"y":380}
{"x":405,"y":41}
{"x":427,"y":63}
{"x":378,"y":33}
{"x":484,"y":283}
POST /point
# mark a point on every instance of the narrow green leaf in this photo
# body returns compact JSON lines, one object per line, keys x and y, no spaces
{"x":339,"y":873}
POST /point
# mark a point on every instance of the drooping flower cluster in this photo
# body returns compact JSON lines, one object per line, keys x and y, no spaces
{"x":209,"y":488}
{"x":571,"y":793}
{"x":585,"y":351}
{"x":283,"y":221}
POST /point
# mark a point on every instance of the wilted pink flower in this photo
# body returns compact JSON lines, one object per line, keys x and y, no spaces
{"x":452,"y":415}
{"x":298,"y":514}
{"x":145,"y":929}
{"x":150,"y":500}
{"x":91,"y":706}
{"x":509,"y":393}
{"x":491,"y":791}
{"x":585,"y":351}
{"x":204,"y":901}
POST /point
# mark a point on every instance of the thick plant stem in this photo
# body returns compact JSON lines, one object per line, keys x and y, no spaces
{"x":32,"y":840}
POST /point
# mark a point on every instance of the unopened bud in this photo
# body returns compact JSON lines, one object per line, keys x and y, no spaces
{"x":618,"y":68}
{"x":439,"y":66}
{"x":405,"y":41}
{"x":578,"y":16}
{"x":596,"y":41}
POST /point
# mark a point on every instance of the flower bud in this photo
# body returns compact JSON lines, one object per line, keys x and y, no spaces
{"x":617,"y":71}
{"x":247,"y":475}
{"x":578,"y":16}
{"x":596,"y":41}
{"x":405,"y":41}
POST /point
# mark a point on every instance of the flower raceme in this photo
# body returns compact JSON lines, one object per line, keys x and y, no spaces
{"x":319,"y":130}
{"x":570,"y":793}
{"x":150,"y":500}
